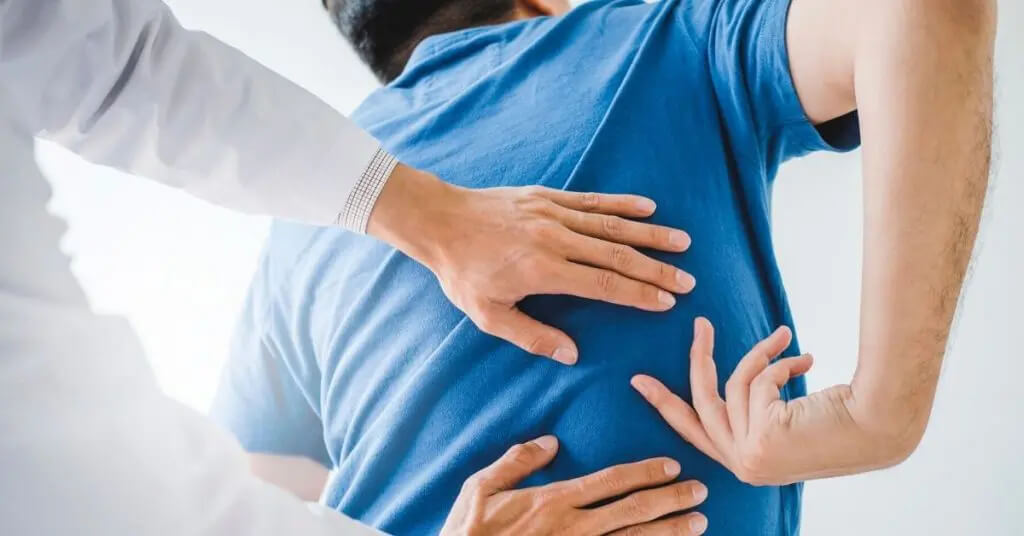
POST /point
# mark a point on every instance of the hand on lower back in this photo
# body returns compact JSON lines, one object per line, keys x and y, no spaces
{"x":761,"y":438}
{"x":489,"y":506}
{"x":491,"y":248}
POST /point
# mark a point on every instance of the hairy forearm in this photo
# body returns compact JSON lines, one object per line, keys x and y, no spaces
{"x":923,"y":71}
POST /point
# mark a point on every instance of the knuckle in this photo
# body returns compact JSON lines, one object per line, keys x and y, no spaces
{"x":607,"y":282}
{"x":683,"y":495}
{"x":611,"y":227}
{"x":654,"y":471}
{"x":538,"y":344}
{"x":658,"y":235}
{"x":622,"y":257}
{"x":650,"y":293}
{"x":485,"y":321}
{"x":534,"y":195}
{"x":636,"y":507}
{"x":473,"y":483}
{"x":520,"y":454}
{"x":666,"y":272}
{"x":546,"y":496}
{"x":533,"y":205}
{"x":610,"y":481}
{"x":590,"y":201}
{"x":635,"y":530}
{"x":548,"y":231}
{"x":532,"y":265}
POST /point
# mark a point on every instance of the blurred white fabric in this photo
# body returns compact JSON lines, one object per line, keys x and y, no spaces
{"x":88,"y":443}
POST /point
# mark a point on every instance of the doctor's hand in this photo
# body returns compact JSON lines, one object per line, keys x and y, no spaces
{"x":490,"y":248}
{"x":761,"y":438}
{"x":488,"y":504}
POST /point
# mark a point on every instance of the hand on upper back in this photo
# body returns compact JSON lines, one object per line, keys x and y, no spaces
{"x":491,"y":248}
{"x":761,"y":438}
{"x":489,"y":506}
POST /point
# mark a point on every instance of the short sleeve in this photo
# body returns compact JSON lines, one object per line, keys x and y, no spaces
{"x":749,"y":65}
{"x":264,"y":399}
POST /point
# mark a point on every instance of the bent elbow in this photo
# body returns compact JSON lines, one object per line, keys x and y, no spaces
{"x":897,"y":446}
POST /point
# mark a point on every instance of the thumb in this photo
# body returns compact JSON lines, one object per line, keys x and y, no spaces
{"x":512,"y":325}
{"x":517,"y":463}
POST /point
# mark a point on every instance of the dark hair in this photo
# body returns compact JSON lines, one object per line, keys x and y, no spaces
{"x":385,"y":32}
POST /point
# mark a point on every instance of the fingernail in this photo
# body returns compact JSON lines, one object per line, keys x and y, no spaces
{"x":679,"y":239}
{"x":666,"y":299}
{"x":698,"y":524}
{"x":672,"y":468}
{"x":646,"y":205}
{"x":685,"y":280}
{"x":700,"y":492}
{"x":640,"y":384}
{"x":547,"y":442}
{"x":565,"y":355}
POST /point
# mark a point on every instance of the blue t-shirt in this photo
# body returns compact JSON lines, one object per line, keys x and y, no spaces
{"x":350,"y":353}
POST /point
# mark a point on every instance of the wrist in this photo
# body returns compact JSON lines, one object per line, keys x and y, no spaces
{"x":413,"y":213}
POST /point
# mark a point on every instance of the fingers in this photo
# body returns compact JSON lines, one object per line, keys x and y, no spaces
{"x":617,"y":480}
{"x":704,"y":385}
{"x":765,"y":388}
{"x":620,"y":231}
{"x":626,"y":261}
{"x":512,"y":325}
{"x":516,"y":464}
{"x":648,"y":505}
{"x":677,"y":413}
{"x":608,"y":286}
{"x":630,"y":206}
{"x":737,"y":389}
{"x":689,"y":525}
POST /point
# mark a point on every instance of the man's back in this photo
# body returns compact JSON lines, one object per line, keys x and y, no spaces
{"x":367,"y":367}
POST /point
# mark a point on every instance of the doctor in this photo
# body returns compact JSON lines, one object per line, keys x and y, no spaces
{"x":88,"y":444}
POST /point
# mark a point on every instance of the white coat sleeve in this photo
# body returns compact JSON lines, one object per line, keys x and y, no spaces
{"x":88,"y":443}
{"x":122,"y":84}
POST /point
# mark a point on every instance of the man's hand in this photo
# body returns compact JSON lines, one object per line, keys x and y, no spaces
{"x":758,"y":436}
{"x":491,"y":248}
{"x":488,"y":505}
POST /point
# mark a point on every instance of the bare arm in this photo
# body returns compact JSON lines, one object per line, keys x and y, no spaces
{"x":920,"y":74}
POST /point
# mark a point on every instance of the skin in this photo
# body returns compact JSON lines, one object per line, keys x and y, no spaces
{"x":490,"y":248}
{"x":489,"y":506}
{"x":920,"y":74}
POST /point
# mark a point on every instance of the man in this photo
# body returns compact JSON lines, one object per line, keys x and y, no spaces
{"x":88,"y":443}
{"x":695,"y":104}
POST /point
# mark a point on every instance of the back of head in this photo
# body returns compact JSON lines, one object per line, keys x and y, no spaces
{"x":385,"y":32}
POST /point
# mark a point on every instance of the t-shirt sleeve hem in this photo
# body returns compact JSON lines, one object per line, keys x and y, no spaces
{"x":838,"y":135}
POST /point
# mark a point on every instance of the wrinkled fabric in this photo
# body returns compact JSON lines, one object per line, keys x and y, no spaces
{"x":366,"y":366}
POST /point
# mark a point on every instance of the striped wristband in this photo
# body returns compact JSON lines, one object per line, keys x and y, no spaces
{"x":359,"y":206}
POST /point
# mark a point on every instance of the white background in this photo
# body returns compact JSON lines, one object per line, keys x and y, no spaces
{"x":178,"y":269}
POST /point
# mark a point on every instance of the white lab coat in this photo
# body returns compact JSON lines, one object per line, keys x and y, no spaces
{"x":88,"y":444}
